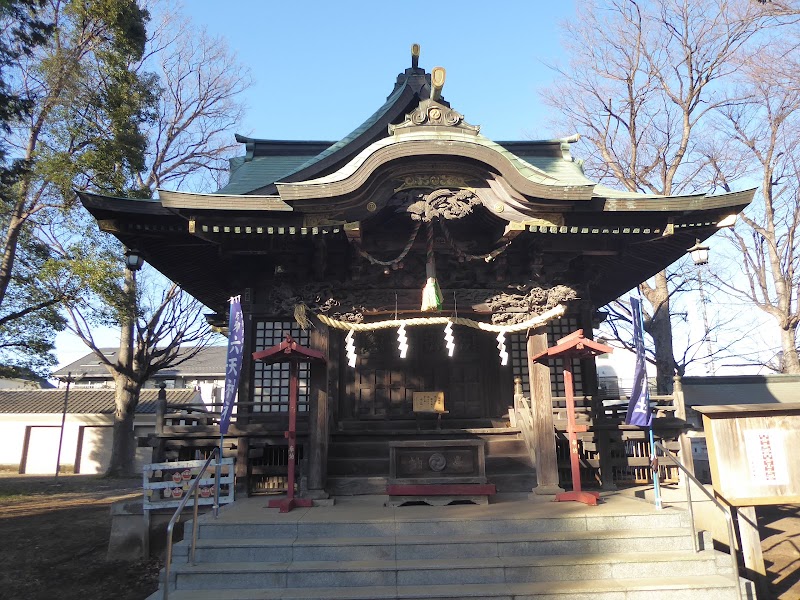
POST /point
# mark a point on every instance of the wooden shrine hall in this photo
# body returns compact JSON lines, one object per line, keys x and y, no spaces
{"x":418,"y":257}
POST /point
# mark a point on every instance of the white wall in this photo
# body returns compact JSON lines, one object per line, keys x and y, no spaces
{"x":621,"y":364}
{"x":45,"y":430}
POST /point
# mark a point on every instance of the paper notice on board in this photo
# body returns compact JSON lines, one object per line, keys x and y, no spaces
{"x":766,"y":455}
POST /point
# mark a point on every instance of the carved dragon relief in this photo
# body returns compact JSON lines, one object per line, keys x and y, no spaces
{"x":510,"y":308}
{"x":442,"y":203}
{"x":508,"y":304}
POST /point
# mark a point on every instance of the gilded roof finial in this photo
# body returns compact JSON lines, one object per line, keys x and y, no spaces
{"x":414,"y":56}
{"x":437,"y":82}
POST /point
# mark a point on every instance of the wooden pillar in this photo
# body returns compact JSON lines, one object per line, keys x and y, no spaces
{"x":589,"y":379}
{"x":684,"y":442}
{"x":751,"y":550}
{"x":334,"y":375}
{"x":319,"y":415}
{"x":542,"y":408}
{"x":604,"y":445}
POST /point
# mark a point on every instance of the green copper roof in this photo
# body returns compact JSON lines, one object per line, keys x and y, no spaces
{"x":376,"y":116}
{"x":566,"y":171}
{"x":260,"y":171}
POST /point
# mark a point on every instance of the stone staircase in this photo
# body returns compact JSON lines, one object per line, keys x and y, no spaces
{"x":358,"y":459}
{"x":510,"y":550}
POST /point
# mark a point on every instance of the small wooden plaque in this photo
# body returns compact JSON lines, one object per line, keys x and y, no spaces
{"x":432,"y":402}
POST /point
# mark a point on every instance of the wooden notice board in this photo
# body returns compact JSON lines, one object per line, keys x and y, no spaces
{"x":753,"y":452}
{"x":432,"y":402}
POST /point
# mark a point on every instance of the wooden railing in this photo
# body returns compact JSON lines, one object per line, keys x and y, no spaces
{"x":184,"y":431}
{"x":618,"y":452}
{"x":524,"y":420}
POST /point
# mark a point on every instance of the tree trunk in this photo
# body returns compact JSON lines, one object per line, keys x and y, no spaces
{"x":659,"y":326}
{"x":661,"y":331}
{"x":123,"y":448}
{"x":17,"y":220}
{"x":126,"y":392}
{"x":791,"y":360}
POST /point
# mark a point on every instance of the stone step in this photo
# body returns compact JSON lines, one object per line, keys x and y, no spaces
{"x":359,"y":467}
{"x":409,"y":525}
{"x":356,"y":486}
{"x":513,"y":482}
{"x":454,"y":571}
{"x":504,"y":444}
{"x":514,"y":549}
{"x":366,"y":466}
{"x":352,"y":485}
{"x":447,"y":431}
{"x":424,"y":422}
{"x":712,"y":587}
{"x":433,"y":547}
{"x":515,"y":463}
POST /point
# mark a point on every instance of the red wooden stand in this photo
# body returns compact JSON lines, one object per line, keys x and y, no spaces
{"x":293,"y":353}
{"x":574,"y":346}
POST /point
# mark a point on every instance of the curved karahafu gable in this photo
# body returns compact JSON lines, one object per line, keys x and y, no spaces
{"x":435,"y":141}
{"x":435,"y":148}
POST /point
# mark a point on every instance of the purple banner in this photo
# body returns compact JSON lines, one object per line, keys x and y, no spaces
{"x":233,"y":364}
{"x":639,"y":412}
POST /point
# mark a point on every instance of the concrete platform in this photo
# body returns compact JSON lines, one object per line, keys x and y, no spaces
{"x":350,"y":509}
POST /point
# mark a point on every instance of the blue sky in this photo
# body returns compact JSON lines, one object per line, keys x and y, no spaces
{"x":320,"y":68}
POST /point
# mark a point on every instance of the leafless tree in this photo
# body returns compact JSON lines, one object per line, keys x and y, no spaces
{"x":167,"y":331}
{"x":642,"y":80}
{"x":718,"y":341}
{"x":765,"y":130}
{"x":202,"y":83}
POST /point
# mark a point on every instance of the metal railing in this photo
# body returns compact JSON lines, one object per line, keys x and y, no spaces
{"x":725,"y":511}
{"x":177,"y":516}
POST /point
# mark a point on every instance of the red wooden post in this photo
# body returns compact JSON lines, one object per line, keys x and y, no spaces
{"x":573,"y":428}
{"x":291,"y":352}
{"x":288,"y":503}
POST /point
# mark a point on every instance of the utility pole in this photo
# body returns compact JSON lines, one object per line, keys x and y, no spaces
{"x":68,"y":380}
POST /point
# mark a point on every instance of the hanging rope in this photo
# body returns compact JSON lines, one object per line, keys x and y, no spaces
{"x":488,"y":257}
{"x":431,"y":294}
{"x":553,"y":313}
{"x":394,"y":261}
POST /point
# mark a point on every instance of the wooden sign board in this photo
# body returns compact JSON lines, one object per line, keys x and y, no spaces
{"x":432,"y":402}
{"x":752,"y":452}
{"x":165,"y":483}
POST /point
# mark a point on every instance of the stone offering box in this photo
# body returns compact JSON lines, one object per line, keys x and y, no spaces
{"x":438,"y":472}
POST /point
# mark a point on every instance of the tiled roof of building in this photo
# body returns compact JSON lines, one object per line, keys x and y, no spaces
{"x":85,"y":401}
{"x":267,"y":161}
{"x":208,"y":362}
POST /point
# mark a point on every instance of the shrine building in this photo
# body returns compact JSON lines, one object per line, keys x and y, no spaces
{"x":416,"y":255}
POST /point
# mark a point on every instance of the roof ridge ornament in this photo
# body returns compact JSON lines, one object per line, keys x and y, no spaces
{"x":432,"y":113}
{"x":438,"y":76}
{"x":565,"y":148}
